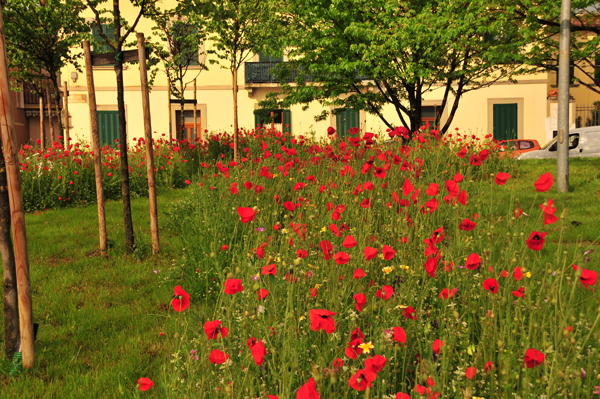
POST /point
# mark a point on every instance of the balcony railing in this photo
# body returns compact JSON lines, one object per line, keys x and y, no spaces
{"x":262,"y":72}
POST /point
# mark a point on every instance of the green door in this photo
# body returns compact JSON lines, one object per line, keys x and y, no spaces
{"x":505,"y":121}
{"x":345,"y":120}
{"x":108,"y":125}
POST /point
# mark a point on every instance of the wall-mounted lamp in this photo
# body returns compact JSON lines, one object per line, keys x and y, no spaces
{"x":74,"y":76}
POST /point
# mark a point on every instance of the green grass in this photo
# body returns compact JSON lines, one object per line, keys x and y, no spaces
{"x":101,"y":318}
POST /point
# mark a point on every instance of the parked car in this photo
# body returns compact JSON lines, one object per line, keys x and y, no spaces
{"x":517,"y":147}
{"x":583,"y":142}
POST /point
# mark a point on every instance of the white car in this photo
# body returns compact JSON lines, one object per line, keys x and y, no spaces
{"x":583,"y":142}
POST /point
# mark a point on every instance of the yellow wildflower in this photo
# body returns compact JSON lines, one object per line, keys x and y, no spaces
{"x":404,"y":267}
{"x":324,"y":229}
{"x":366,"y":346}
{"x":401,"y":307}
{"x":387,"y":269}
{"x":528,"y":274}
{"x":301,"y":318}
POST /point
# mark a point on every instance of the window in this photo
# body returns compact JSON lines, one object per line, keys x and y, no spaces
{"x":109,"y":31}
{"x":190,"y":53}
{"x":281,"y":118}
{"x":597,"y":70}
{"x":428,"y":114}
{"x":525,"y":145}
{"x":573,"y":142}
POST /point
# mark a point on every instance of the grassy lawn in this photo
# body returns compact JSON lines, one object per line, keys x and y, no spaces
{"x":101,"y":319}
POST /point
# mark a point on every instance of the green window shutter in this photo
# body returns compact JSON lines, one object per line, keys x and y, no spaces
{"x":287,"y":121}
{"x":109,"y":31}
{"x":108,"y":127}
{"x":257,"y":121}
{"x":505,"y":121}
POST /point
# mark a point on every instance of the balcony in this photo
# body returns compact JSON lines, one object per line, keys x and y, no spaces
{"x":262,"y":73}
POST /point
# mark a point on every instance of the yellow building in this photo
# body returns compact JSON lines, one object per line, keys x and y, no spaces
{"x":528,"y":107}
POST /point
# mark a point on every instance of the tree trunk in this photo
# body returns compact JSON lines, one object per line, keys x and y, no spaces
{"x":236,"y":155}
{"x":127,"y":220}
{"x":169,"y":106}
{"x":50,"y":116}
{"x":57,"y":108}
{"x":42,"y":134}
{"x":181,"y":135}
{"x":11,"y":305}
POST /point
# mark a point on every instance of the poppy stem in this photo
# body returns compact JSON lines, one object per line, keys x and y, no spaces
{"x":367,"y":392}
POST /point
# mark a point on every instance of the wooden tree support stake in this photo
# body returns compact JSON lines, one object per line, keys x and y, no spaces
{"x":148,"y":142}
{"x":95,"y":145}
{"x":13,"y":174}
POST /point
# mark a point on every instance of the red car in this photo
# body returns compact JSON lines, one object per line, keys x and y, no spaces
{"x":519,"y":146}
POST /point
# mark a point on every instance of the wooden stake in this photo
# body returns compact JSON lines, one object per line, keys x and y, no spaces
{"x":95,"y":145}
{"x":66,"y":111}
{"x":9,"y":142}
{"x":50,"y":114}
{"x":42,"y":134}
{"x":272,"y":121}
{"x":195,"y":110}
{"x":169,"y":106}
{"x":148,"y":142}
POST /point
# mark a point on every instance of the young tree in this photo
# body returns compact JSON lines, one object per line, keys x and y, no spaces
{"x":365,"y":54}
{"x":540,"y":23}
{"x":236,"y":29}
{"x":41,"y":36}
{"x":180,"y":39}
{"x":117,"y":22}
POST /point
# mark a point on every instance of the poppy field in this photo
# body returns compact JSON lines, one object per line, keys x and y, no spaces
{"x":361,"y":268}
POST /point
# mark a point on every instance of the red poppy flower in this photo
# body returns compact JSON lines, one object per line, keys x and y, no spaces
{"x":313,"y":292}
{"x":535,"y":241}
{"x":385,"y":292}
{"x":380,"y":173}
{"x":341,"y":258}
{"x":491,"y":285}
{"x":262,"y":293}
{"x":248,"y":185}
{"x":407,"y":188}
{"x":544,"y":183}
{"x":213,"y":329}
{"x":349,"y":242}
{"x":321,"y":319}
{"x":181,"y":300}
{"x":448,"y":265}
{"x":361,"y":301}
{"x":473,"y":261}
{"x":588,"y":277}
{"x":251,"y":342}
{"x":359,"y":273}
{"x":302,"y":253}
{"x":520,"y":293}
{"x":467,"y":225}
{"x":437,"y":236}
{"x":402,"y":395}
{"x":462,"y":198}
{"x":471,"y":371}
{"x":410,"y":313}
{"x":269,"y":269}
{"x":259,"y":189}
{"x":446,"y":293}
{"x":549,"y":211}
{"x":233,"y":285}
{"x":370,"y":253}
{"x":375,"y":364}
{"x":218,"y":357}
{"x":432,"y":190}
{"x":431,"y":266}
{"x":246,"y":214}
{"x":533,"y":358}
{"x":399,"y":335}
{"x":330,"y":131}
{"x":272,"y":397}
{"x":259,"y":352}
{"x":338,"y":363}
{"x":388,"y":252}
{"x":437,"y":345}
{"x":501,"y":178}
{"x":518,"y":212}
{"x":326,"y":247}
{"x":336,"y":216}
{"x":299,"y":186}
{"x":488,"y":366}
{"x":452,"y":188}
{"x":362,"y":379}
{"x":365,"y":203}
{"x":289,"y":206}
{"x":504,"y":273}
{"x":517,"y":273}
{"x":308,"y":390}
{"x":145,"y":383}
{"x":458,"y":177}
{"x":352,"y":350}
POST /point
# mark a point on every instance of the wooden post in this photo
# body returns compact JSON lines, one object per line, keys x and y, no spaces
{"x":149,"y":144}
{"x":169,"y":106}
{"x":196,"y":110}
{"x":50,"y":114}
{"x":66,"y":111}
{"x":42,"y":134}
{"x":272,"y":121}
{"x":13,"y":174}
{"x":95,"y":145}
